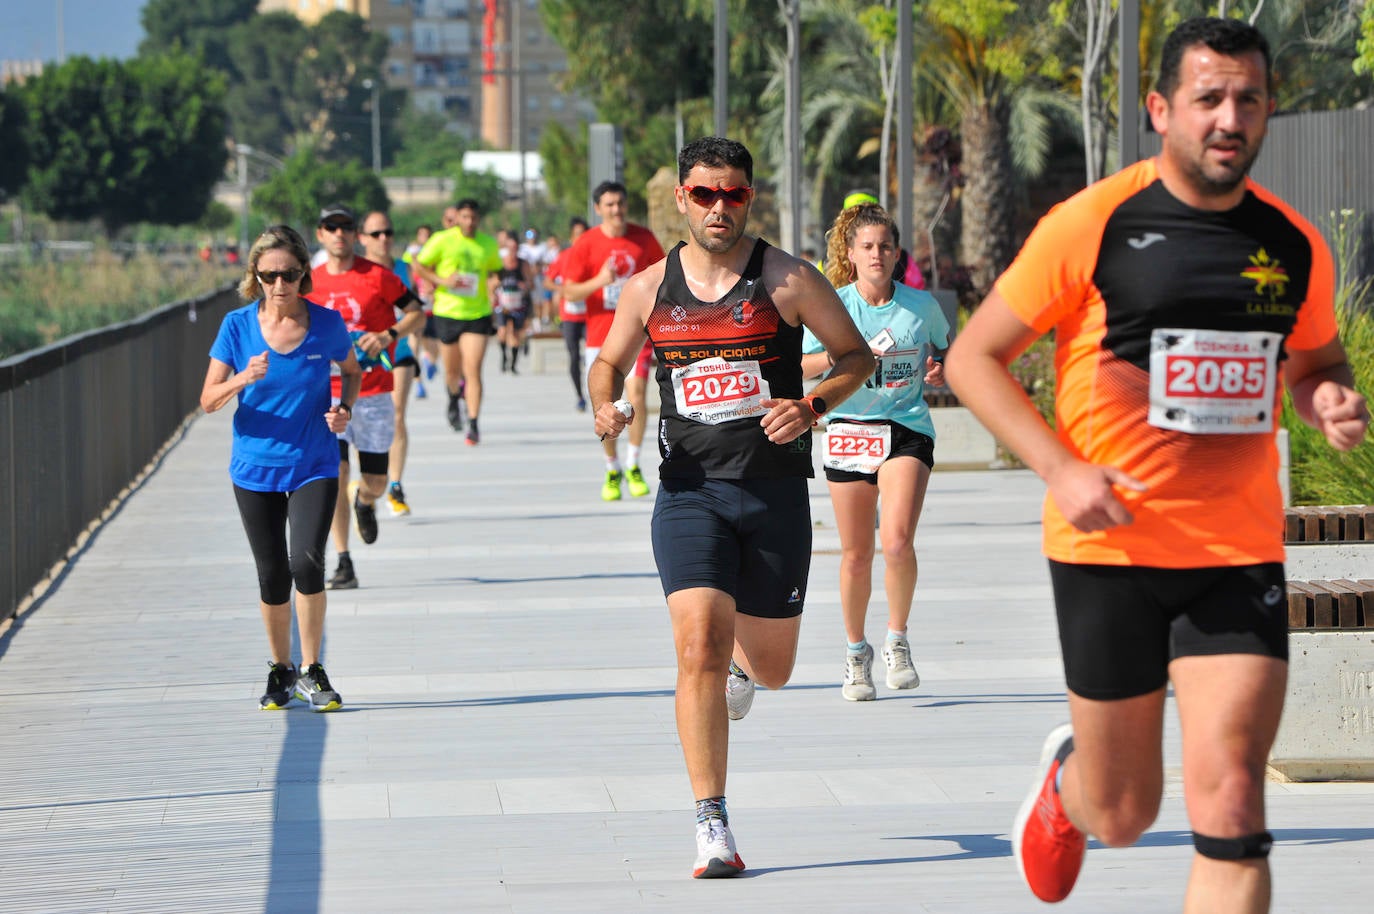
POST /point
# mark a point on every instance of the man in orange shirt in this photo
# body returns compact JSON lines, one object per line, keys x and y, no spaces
{"x":1182,"y":296}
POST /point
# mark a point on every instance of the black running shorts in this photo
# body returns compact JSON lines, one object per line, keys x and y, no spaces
{"x":748,"y":538}
{"x":1120,"y":626}
{"x":449,"y":329}
{"x":905,"y":443}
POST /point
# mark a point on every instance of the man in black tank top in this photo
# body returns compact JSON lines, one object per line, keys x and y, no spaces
{"x":732,"y":524}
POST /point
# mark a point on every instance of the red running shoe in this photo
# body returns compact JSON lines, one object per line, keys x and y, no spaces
{"x":1048,"y":847}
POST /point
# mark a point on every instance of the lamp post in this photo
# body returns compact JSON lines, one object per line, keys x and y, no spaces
{"x":375,"y":88}
{"x":243,"y":152}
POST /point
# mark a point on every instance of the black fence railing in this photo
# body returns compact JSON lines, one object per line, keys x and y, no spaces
{"x":79,"y":422}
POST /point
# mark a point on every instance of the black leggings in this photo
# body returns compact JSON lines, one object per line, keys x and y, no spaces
{"x":573,"y":332}
{"x":309,"y":511}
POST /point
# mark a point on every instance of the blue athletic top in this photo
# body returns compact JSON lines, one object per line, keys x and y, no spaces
{"x":896,"y":389}
{"x":403,"y":350}
{"x":281,"y":441}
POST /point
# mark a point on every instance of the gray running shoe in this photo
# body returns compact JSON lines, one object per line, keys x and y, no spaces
{"x":739,"y":693}
{"x":344,"y":578}
{"x":858,"y":676}
{"x":281,"y":680}
{"x":716,"y":854}
{"x":901,"y":672}
{"x":312,"y":685}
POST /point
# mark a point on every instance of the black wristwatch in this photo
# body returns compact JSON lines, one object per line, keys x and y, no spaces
{"x":392,"y":331}
{"x":817,"y":404}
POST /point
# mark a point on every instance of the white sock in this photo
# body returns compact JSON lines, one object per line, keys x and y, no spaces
{"x":613,"y":464}
{"x":632,"y":455}
{"x":893,"y":636}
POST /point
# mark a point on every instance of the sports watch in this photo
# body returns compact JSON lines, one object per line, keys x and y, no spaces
{"x":817,"y":404}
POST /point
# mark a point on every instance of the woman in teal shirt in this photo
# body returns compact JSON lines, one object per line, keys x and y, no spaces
{"x":881,"y":441}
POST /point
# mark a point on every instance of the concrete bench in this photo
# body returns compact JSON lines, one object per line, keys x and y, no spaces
{"x":1327,"y":731}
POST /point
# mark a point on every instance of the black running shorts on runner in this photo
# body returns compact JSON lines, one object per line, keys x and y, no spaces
{"x":905,"y":443}
{"x":748,"y":538}
{"x":1120,"y":626}
{"x":449,"y":329}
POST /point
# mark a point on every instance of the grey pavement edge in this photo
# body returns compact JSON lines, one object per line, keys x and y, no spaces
{"x":507,"y":742}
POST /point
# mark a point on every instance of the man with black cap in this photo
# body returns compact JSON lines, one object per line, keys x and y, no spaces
{"x":368,"y":296}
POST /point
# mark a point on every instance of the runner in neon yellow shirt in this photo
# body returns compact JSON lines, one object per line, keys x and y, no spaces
{"x":458,"y":261}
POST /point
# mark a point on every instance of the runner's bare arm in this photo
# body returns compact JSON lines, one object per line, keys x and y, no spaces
{"x":976,"y":368}
{"x":1323,"y":390}
{"x":606,"y":377}
{"x":578,"y":291}
{"x":802,"y":291}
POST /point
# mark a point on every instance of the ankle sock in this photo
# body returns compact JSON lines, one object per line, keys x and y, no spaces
{"x":712,"y":808}
{"x":857,"y":648}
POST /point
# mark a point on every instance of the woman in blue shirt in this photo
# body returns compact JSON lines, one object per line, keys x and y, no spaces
{"x":275,"y":357}
{"x":881,"y":441}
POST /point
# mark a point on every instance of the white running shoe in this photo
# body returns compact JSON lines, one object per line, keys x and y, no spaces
{"x":858,"y":675}
{"x":901,"y":672}
{"x":716,"y":854}
{"x":739,"y":693}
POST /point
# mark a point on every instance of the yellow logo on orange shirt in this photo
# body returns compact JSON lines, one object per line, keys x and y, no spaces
{"x":1269,"y":277}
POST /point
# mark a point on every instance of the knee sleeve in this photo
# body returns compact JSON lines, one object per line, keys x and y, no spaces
{"x":1246,"y":847}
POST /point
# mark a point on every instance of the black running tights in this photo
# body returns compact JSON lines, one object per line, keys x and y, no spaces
{"x":573,"y":332}
{"x":266,"y":516}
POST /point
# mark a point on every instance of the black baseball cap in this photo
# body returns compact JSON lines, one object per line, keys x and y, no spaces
{"x":339,"y":213}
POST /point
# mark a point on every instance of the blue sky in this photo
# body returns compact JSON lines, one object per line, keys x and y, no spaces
{"x":96,"y":28}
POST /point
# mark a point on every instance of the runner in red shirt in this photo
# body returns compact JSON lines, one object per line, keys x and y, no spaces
{"x":572,"y":315}
{"x":595,"y":269}
{"x":368,"y":296}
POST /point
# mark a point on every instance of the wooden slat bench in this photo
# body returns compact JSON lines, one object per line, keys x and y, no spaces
{"x":1329,"y":524}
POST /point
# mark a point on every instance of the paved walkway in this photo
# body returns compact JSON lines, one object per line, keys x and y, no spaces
{"x":507,"y":743}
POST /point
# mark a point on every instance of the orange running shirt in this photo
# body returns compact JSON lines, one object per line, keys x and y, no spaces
{"x":1171,"y":325}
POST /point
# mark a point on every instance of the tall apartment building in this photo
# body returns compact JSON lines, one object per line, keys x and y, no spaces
{"x":484,"y":64}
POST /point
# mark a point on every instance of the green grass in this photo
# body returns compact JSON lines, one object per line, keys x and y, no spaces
{"x":42,"y":301}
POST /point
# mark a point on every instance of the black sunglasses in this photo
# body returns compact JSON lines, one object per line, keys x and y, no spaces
{"x":338,"y":226}
{"x":270,"y":277}
{"x":381,"y":233}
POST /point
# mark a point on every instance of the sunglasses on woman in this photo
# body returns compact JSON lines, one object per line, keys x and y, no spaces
{"x":707,"y":196}
{"x":381,"y":233}
{"x":269,"y":277}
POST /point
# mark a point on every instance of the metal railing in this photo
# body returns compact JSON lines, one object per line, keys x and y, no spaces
{"x":82,"y":419}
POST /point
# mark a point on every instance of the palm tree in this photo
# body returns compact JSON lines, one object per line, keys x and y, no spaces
{"x":982,"y":55}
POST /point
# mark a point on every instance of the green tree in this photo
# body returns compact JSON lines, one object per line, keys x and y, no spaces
{"x":662,"y":71}
{"x":12,"y":141}
{"x":200,"y":26}
{"x":125,"y":141}
{"x":295,"y":194}
{"x":985,"y":55}
{"x":1364,"y":62}
{"x":486,"y":187}
{"x":299,"y":84}
{"x":425,"y":146}
{"x":565,"y":166}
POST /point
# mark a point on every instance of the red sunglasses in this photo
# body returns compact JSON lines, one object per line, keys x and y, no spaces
{"x":707,"y":196}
